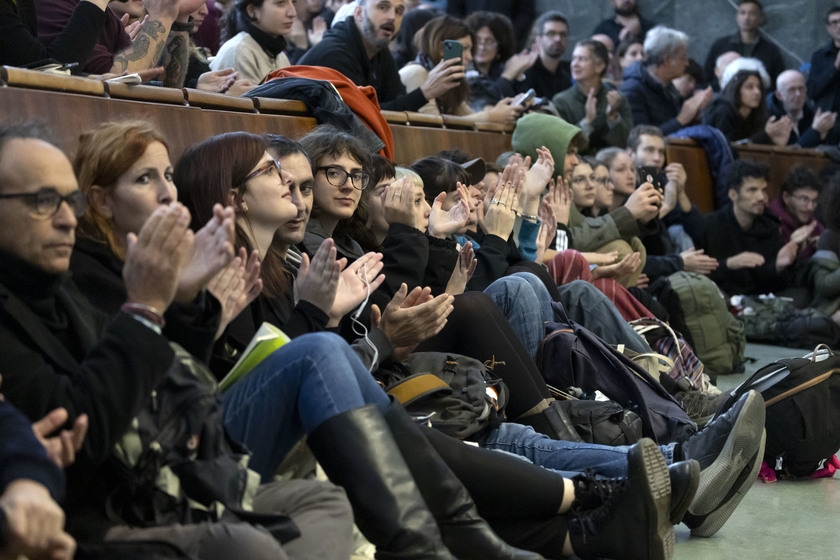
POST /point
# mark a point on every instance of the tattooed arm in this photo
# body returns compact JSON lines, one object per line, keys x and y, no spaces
{"x":146,"y":51}
{"x":176,"y":59}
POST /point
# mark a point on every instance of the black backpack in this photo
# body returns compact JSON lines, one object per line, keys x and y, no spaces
{"x":460,"y":396}
{"x":802,"y":396}
{"x":572,"y":356}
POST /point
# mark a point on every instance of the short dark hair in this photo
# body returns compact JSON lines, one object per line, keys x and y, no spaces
{"x":380,"y":168}
{"x":801,"y":178}
{"x":326,"y":140}
{"x":640,"y":130}
{"x":34,"y":129}
{"x":832,"y":10}
{"x":281,"y":146}
{"x":741,"y":169}
{"x":552,"y":15}
{"x":598,"y":50}
{"x":756,"y":2}
{"x":456,"y":155}
{"x":439,"y":175}
{"x":829,"y":205}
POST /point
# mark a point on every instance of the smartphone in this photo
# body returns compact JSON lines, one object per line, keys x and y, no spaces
{"x":452,"y":49}
{"x":130,"y":79}
{"x":529,"y":95}
{"x":651,"y":174}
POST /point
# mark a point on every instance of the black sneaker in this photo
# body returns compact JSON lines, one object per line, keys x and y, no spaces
{"x":633,"y":523}
{"x":700,"y":407}
{"x":724,"y":448}
{"x":709,"y":524}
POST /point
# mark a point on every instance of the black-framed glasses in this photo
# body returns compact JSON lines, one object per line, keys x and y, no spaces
{"x":267,"y":168}
{"x":336,"y":176}
{"x":47,"y":201}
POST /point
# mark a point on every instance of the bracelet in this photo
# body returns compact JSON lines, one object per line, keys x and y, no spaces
{"x":147,"y":312}
{"x":526,"y":216}
{"x":178,"y":26}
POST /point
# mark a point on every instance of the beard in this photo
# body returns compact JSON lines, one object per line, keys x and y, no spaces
{"x":632,"y":10}
{"x":370,"y":35}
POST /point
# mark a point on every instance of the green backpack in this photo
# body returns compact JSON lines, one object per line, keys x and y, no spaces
{"x":718,"y":336}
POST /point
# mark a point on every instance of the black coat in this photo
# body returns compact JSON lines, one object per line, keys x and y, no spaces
{"x":342,"y":49}
{"x":765,"y":51}
{"x":651,"y":102}
{"x":722,"y":115}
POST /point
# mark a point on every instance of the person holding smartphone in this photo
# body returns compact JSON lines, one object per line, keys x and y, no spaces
{"x":444,"y":38}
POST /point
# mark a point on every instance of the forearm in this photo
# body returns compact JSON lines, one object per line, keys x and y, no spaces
{"x":146,"y":50}
{"x":176,"y":59}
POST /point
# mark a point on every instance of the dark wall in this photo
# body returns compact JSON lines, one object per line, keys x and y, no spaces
{"x":798,"y":25}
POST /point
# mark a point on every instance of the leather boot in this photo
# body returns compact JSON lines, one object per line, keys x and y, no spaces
{"x":465,"y":533}
{"x":633,"y":524}
{"x":358,"y":452}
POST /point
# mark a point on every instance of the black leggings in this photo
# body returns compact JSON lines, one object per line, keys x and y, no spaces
{"x":478,"y":329}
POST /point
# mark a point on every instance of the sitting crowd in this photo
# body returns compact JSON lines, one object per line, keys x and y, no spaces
{"x":132,"y":285}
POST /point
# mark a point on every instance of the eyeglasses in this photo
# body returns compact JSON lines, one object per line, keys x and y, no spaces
{"x":336,"y":176}
{"x":488,"y":43}
{"x":556,"y":35}
{"x":47,"y":201}
{"x":833,"y":22}
{"x":268,"y":168}
{"x":805,"y":200}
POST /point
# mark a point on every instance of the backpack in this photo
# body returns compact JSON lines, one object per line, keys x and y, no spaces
{"x":177,"y":464}
{"x":572,"y":356}
{"x":802,"y":396}
{"x":717,"y":336}
{"x":586,"y":420}
{"x":776,"y":320}
{"x":458,"y":394}
{"x":687,"y":369}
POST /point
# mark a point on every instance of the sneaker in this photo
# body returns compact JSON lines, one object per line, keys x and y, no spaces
{"x":633,"y":523}
{"x":700,"y":406}
{"x":709,"y":524}
{"x":724,"y":448}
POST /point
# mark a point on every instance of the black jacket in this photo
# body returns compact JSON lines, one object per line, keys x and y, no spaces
{"x":824,"y":79}
{"x":803,"y":135}
{"x":721,"y":236}
{"x":765,"y":51}
{"x":722,"y":115}
{"x":651,"y":102}
{"x":342,"y":49}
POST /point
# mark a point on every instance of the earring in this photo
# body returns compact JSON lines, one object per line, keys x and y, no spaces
{"x":244,"y":206}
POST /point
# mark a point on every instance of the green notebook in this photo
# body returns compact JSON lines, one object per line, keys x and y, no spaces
{"x":268,"y":339}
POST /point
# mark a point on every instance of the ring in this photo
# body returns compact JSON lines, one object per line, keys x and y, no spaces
{"x":495,"y":201}
{"x":397,"y":195}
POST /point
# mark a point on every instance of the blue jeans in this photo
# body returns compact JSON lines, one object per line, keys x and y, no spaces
{"x":527,"y":305}
{"x":290,"y":393}
{"x":569,"y":458}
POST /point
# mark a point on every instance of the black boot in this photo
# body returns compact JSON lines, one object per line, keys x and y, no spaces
{"x":358,"y":453}
{"x":465,"y":533}
{"x":591,"y":491}
{"x":633,"y":523}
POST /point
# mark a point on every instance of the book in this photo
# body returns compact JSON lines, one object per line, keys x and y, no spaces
{"x":267,"y":339}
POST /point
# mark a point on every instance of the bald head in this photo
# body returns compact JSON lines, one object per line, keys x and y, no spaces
{"x":791,"y":91}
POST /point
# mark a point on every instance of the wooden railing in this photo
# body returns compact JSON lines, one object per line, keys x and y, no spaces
{"x":185,"y":116}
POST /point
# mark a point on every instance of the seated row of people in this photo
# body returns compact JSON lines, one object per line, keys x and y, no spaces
{"x":254,"y":200}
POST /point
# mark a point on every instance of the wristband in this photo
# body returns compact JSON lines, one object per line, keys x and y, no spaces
{"x":188,"y":26}
{"x":147,"y":312}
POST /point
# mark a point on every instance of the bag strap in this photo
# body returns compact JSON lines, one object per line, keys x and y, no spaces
{"x":799,"y":388}
{"x":418,"y":386}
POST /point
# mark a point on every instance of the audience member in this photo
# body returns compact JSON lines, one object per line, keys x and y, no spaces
{"x":748,"y":42}
{"x":430,"y":44}
{"x":622,"y":174}
{"x":626,"y":24}
{"x":691,"y":81}
{"x":629,"y":50}
{"x":256,"y":29}
{"x":496,"y":67}
{"x":596,"y":107}
{"x":165,"y":31}
{"x":824,"y":76}
{"x":208,"y":34}
{"x":809,"y":128}
{"x":358,"y":48}
{"x":824,"y":266}
{"x":742,"y":64}
{"x":796,"y":208}
{"x":604,"y":198}
{"x":720,"y":67}
{"x":740,"y":112}
{"x":744,"y":236}
{"x":549,"y":74}
{"x":649,"y":89}
{"x":402,"y":47}
{"x":19,"y":42}
{"x":521,"y":13}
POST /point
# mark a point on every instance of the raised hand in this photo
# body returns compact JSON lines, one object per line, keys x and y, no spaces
{"x":644,"y":203}
{"x":560,"y":197}
{"x":412,"y":317}
{"x":614,"y":101}
{"x":443,"y":77}
{"x":355,"y":283}
{"x":590,"y":107}
{"x":236,"y":286}
{"x":445,"y":222}
{"x":463,"y":271}
{"x":779,"y":129}
{"x":548,"y":229}
{"x":317,"y":280}
{"x":319,"y":27}
{"x":803,"y":233}
{"x":539,"y":174}
{"x":212,"y":251}
{"x":156,"y":256}
{"x":398,"y":202}
{"x":500,"y":215}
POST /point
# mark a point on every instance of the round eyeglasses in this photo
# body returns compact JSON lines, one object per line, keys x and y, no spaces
{"x":336,"y":176}
{"x":47,"y":201}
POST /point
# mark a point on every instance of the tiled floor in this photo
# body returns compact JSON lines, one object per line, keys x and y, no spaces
{"x":787,"y":520}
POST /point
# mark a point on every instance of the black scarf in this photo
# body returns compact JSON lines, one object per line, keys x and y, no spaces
{"x":272,"y":45}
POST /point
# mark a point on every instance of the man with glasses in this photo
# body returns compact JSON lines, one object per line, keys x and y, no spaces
{"x":796,"y":208}
{"x":549,"y":74}
{"x":810,"y":128}
{"x":824,"y":77}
